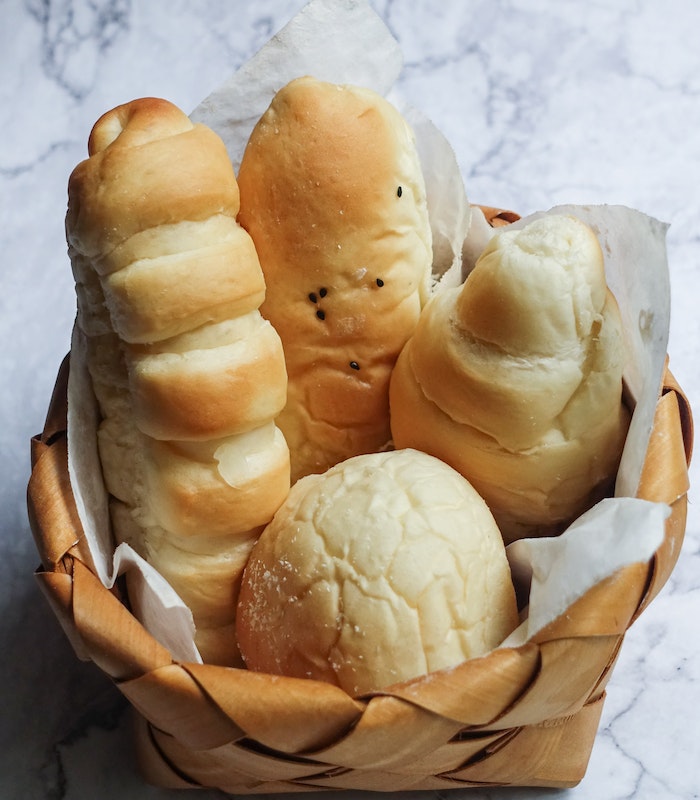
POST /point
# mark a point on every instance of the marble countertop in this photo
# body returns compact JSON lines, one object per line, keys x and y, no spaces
{"x":580,"y":102}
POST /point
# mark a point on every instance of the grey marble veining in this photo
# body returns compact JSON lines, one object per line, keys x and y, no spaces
{"x":580,"y":101}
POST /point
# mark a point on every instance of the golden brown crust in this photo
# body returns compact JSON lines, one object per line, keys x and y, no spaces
{"x":119,"y":191}
{"x":189,"y":376}
{"x":333,"y":196}
{"x":156,"y":297}
{"x":202,"y":389}
{"x":189,"y":495}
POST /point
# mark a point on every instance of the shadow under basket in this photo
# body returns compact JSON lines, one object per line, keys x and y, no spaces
{"x":523,"y":716}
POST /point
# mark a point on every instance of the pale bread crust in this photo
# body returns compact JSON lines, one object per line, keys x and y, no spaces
{"x":387,"y":567}
{"x":515,"y":378}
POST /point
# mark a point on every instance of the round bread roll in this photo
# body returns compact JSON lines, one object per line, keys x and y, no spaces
{"x":515,"y":377}
{"x":387,"y":567}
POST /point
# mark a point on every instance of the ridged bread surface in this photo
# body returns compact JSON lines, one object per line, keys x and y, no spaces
{"x":188,"y":375}
{"x":514,"y":378}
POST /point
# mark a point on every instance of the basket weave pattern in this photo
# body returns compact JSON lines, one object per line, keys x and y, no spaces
{"x":523,"y":716}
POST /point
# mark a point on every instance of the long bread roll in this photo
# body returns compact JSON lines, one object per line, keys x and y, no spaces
{"x":188,"y":375}
{"x":420,"y":582}
{"x":333,"y":196}
{"x":515,"y":377}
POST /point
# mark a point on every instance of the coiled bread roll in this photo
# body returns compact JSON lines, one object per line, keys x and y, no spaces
{"x":333,"y":196}
{"x":515,"y":377}
{"x":188,"y":375}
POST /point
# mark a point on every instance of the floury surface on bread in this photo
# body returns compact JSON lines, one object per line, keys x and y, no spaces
{"x":515,"y":377}
{"x":333,"y":196}
{"x":188,"y":375}
{"x":386,"y":568}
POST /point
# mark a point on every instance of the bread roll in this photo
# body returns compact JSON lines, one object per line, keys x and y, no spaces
{"x":387,"y":567}
{"x":188,"y":375}
{"x":515,"y":378}
{"x":333,"y":196}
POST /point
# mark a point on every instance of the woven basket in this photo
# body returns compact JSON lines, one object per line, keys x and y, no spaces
{"x":524,"y":716}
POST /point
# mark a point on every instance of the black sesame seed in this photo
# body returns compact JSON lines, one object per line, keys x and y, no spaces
{"x":321,"y":314}
{"x":380,"y":282}
{"x":354,"y":365}
{"x":399,"y":192}
{"x":323,"y":291}
{"x":312,"y":297}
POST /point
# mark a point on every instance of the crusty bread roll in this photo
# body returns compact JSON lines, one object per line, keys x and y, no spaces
{"x":333,"y":196}
{"x":188,"y":375}
{"x":386,"y":567}
{"x":515,"y":378}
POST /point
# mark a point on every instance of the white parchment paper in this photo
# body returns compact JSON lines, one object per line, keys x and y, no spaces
{"x":155,"y":603}
{"x":345,"y":41}
{"x":636,"y":269}
{"x":338,"y":41}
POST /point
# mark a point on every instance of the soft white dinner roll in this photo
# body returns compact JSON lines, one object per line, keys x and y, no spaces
{"x":515,"y":377}
{"x":333,"y":195}
{"x":387,"y":567}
